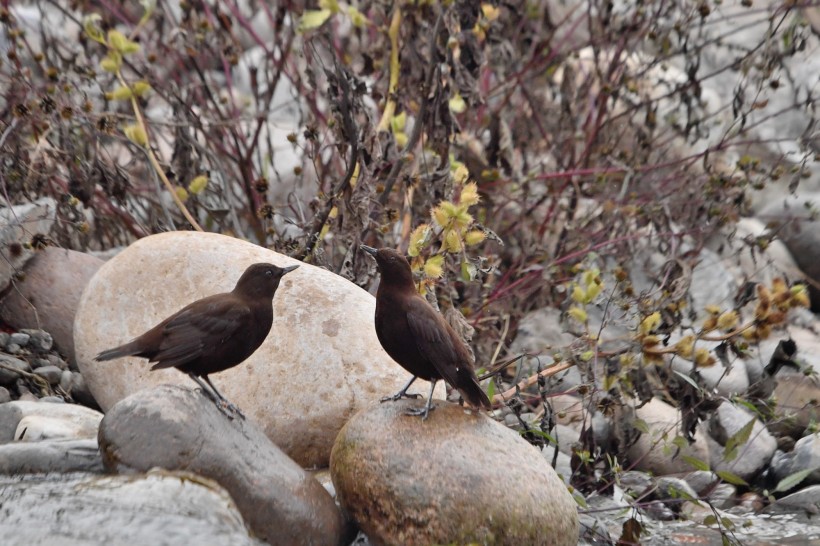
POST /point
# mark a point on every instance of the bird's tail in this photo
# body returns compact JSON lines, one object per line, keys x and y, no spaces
{"x":470,"y":389}
{"x":129,"y":349}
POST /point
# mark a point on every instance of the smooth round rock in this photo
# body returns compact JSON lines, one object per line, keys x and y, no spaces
{"x":48,"y":296}
{"x":320,"y":364}
{"x":457,"y":478}
{"x":181,"y":429}
{"x":656,"y":451}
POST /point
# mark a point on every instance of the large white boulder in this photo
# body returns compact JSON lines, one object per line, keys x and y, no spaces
{"x":320,"y":364}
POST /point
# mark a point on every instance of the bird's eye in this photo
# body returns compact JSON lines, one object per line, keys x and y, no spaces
{"x":269,"y":273}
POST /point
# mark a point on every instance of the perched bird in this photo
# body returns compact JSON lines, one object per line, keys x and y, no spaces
{"x":214,"y":333}
{"x":417,"y":337}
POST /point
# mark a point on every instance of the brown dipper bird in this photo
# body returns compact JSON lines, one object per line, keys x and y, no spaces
{"x":214,"y":333}
{"x":417,"y":337}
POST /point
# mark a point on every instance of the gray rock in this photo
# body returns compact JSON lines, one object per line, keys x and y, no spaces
{"x":655,"y":452}
{"x":5,"y":395}
{"x":50,"y":373}
{"x":752,"y":455}
{"x":797,"y":407}
{"x":807,"y":499}
{"x":80,"y":391}
{"x":50,"y":456}
{"x":4,"y":339}
{"x":8,"y":369}
{"x":17,"y":225}
{"x":66,"y":380}
{"x":39,"y":363}
{"x":701,"y":480}
{"x":52,"y":399}
{"x":13,"y":348}
{"x":408,"y":481}
{"x":722,"y":496}
{"x":180,"y":429}
{"x":39,"y":340}
{"x":49,"y":295}
{"x":19,"y":338}
{"x":130,"y":294}
{"x":804,"y":456}
{"x":43,"y":421}
{"x":563,"y":462}
{"x":161,"y":509}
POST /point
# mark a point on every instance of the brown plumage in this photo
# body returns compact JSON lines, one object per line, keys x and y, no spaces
{"x":417,"y":337}
{"x":212,"y":334}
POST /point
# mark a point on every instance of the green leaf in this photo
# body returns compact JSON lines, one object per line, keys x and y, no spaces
{"x":641,"y":425}
{"x":793,"y":479}
{"x":491,"y":389}
{"x":728,"y":477}
{"x":91,"y":26}
{"x":313,"y":18}
{"x":688,"y":380}
{"x":695,"y":463}
{"x":738,"y":439}
{"x":711,"y":519}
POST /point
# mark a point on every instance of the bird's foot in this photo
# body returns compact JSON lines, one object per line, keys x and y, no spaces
{"x":423,"y":412}
{"x":399,"y":396}
{"x":232,"y":408}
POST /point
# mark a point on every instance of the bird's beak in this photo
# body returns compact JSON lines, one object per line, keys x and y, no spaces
{"x":288,"y":269}
{"x":369,"y":249}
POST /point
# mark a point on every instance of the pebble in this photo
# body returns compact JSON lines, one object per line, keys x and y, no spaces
{"x":39,"y":340}
{"x":50,"y":373}
{"x":13,"y":348}
{"x":39,"y":363}
{"x":5,"y":395}
{"x":19,"y":338}
{"x":4,"y":339}
{"x":7,"y":366}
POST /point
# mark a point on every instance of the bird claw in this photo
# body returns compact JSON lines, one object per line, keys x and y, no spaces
{"x":423,"y":412}
{"x":399,"y":396}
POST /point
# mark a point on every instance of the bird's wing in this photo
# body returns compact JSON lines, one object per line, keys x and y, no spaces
{"x":433,"y":341}
{"x":186,"y":334}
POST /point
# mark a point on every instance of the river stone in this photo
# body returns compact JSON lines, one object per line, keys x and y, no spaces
{"x":408,"y":481}
{"x":752,"y":455}
{"x":31,"y":421}
{"x":161,"y":509}
{"x":50,"y":456}
{"x":176,"y":428}
{"x":656,"y":451}
{"x":320,"y":364}
{"x":49,"y":294}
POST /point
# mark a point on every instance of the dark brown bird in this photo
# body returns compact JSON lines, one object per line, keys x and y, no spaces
{"x":212,"y":334}
{"x":417,"y":337}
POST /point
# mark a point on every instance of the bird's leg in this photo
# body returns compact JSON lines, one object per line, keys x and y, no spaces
{"x":402,"y":393}
{"x":428,"y":407}
{"x":213,"y":394}
{"x":224,"y":400}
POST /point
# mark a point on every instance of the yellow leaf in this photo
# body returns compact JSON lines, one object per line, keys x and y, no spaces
{"x":198,"y":184}
{"x":312,"y":19}
{"x":650,"y":323}
{"x":434,"y":266}
{"x":578,"y":314}
{"x":418,"y":239}
{"x":398,"y":122}
{"x":593,"y":290}
{"x":120,"y":43}
{"x":459,"y":170}
{"x":469,"y":194}
{"x":332,"y":5}
{"x":112,"y":62}
{"x":120,"y":93}
{"x":586,"y":356}
{"x":490,"y":12}
{"x":357,"y":18}
{"x":136,"y":134}
{"x":579,"y":294}
{"x":140,"y":88}
{"x":401,"y":139}
{"x":474,"y":237}
{"x":457,"y":104}
{"x":182,"y":194}
{"x":91,"y":25}
{"x":800,"y":296}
